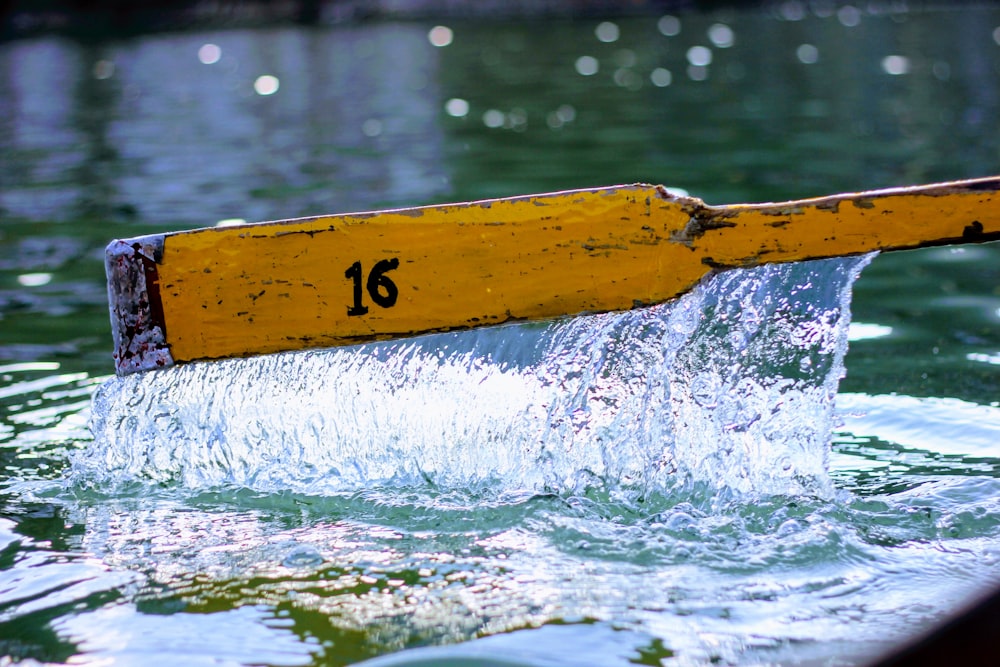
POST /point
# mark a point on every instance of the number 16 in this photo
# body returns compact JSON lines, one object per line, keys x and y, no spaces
{"x":380,"y":288}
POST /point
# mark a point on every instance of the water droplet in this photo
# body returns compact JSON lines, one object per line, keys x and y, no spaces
{"x":680,"y":522}
{"x":303,"y":555}
{"x":789,"y":527}
{"x":705,"y":390}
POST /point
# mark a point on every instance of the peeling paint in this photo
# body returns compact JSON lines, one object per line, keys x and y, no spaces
{"x":702,"y":221}
{"x":784,"y":211}
{"x":137,"y":322}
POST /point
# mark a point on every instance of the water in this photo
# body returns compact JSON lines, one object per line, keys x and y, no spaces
{"x":689,"y":484}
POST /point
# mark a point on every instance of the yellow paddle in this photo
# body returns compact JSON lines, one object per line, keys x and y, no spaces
{"x":336,"y":280}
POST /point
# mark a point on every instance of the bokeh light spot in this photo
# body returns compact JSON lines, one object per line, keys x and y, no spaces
{"x":566,"y":113}
{"x":864,"y":331}
{"x":661,"y":77}
{"x":493,"y":118}
{"x":792,"y":10}
{"x":266,"y":84}
{"x":104,"y":69}
{"x":699,"y":56}
{"x":721,"y":35}
{"x":625,"y":58}
{"x":209,"y":54}
{"x":516,"y":120}
{"x":849,"y":16}
{"x":896,"y":65}
{"x":697,"y":72}
{"x":457,"y":107}
{"x":669,"y":26}
{"x":807,"y":53}
{"x":607,"y":32}
{"x":627,"y":78}
{"x":587,"y":65}
{"x":440,"y":35}
{"x":34,"y":279}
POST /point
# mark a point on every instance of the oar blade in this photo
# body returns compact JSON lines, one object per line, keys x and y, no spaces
{"x":337,"y":280}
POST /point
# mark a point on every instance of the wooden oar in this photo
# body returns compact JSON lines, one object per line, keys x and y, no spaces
{"x":336,"y":280}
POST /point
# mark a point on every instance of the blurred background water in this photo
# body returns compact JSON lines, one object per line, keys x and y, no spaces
{"x":117,"y":133}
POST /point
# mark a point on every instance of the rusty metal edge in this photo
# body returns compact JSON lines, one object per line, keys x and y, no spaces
{"x":137,"y":322}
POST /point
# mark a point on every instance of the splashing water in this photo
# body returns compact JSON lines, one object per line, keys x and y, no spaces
{"x":731,"y":385}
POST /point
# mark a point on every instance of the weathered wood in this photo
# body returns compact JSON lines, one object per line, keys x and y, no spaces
{"x":336,"y":280}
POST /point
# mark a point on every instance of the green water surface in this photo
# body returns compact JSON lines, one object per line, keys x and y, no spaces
{"x":127,"y":136}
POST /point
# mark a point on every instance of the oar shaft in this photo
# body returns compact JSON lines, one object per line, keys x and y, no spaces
{"x":845,"y":224}
{"x":335,"y":280}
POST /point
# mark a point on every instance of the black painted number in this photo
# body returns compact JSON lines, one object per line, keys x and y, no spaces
{"x":380,"y":287}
